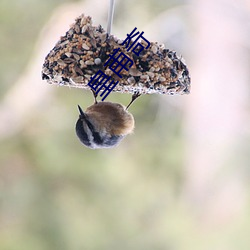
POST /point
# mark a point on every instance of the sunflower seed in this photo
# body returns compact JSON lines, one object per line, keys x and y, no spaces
{"x":88,"y":62}
{"x":85,"y":46}
{"x":134,"y":72}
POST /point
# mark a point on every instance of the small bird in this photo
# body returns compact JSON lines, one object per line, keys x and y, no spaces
{"x":104,"y":124}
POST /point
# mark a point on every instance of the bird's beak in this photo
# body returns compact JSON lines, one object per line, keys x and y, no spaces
{"x":82,"y":115}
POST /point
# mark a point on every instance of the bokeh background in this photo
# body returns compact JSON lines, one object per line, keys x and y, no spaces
{"x":180,"y":182}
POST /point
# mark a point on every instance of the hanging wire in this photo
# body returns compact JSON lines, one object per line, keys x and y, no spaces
{"x":110,"y":15}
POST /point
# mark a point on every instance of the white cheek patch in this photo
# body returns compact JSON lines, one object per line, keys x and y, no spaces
{"x":89,"y":133}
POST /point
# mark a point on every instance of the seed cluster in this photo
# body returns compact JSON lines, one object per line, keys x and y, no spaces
{"x":85,"y":48}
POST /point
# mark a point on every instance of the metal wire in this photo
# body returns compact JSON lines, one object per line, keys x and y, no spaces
{"x":110,"y":15}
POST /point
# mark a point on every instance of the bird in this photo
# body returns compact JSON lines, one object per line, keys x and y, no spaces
{"x":104,"y":124}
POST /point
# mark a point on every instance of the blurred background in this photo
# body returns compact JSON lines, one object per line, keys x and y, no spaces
{"x":180,"y":182}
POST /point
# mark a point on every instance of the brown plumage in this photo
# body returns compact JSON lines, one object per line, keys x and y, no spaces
{"x":104,"y":125}
{"x":110,"y":117}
